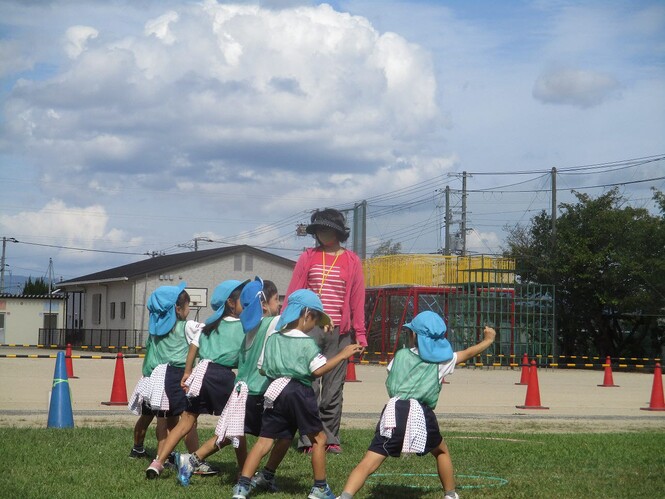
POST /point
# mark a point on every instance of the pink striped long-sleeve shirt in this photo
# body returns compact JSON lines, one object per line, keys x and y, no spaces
{"x":350,"y":272}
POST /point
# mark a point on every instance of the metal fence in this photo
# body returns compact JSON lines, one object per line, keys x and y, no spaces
{"x":102,"y":338}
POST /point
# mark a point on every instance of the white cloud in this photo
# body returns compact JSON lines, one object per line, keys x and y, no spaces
{"x":576,"y":87}
{"x":76,"y":39}
{"x":160,"y":27}
{"x":483,"y":242}
{"x":84,"y":227}
{"x":237,"y":84}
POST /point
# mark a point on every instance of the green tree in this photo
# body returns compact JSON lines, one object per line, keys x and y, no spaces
{"x":387,"y":248}
{"x":608,"y":266}
{"x":37,"y":287}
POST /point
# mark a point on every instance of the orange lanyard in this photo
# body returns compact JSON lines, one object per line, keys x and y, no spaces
{"x":325,"y":273}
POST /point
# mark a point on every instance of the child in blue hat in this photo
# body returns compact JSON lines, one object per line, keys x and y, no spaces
{"x":158,"y":392}
{"x":408,"y":423}
{"x":291,"y":360}
{"x":244,"y":409}
{"x":209,"y":385}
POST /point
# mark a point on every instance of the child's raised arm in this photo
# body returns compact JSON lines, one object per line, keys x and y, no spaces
{"x":346,"y":352}
{"x":472,"y":351}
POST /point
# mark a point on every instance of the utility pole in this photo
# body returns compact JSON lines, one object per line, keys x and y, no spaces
{"x":363,"y":232}
{"x":2,"y":261}
{"x":463,"y":213}
{"x":204,"y":239}
{"x":448,"y":220}
{"x":359,"y":229}
{"x":50,"y":292}
{"x":553,"y":207}
{"x":555,"y":344}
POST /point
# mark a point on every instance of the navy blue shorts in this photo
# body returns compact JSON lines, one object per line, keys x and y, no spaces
{"x":216,"y":389}
{"x":393,"y":446}
{"x":253,"y":414}
{"x":296,"y":409}
{"x":146,"y":410}
{"x":174,"y":392}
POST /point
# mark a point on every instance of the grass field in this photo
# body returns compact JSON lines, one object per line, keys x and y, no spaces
{"x":93,"y":462}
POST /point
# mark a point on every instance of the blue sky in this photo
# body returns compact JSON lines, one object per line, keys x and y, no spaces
{"x":133,"y":127}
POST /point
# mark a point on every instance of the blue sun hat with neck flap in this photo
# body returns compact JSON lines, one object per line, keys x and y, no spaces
{"x":161,"y":306}
{"x":432,"y":343}
{"x":298,"y":300}
{"x":219,"y":297}
{"x":251,"y":298}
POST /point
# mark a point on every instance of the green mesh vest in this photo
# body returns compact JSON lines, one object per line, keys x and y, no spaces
{"x":222,"y":345}
{"x":410,"y":377}
{"x":170,"y":349}
{"x":248,"y":372}
{"x":288,"y":356}
{"x":146,"y":370}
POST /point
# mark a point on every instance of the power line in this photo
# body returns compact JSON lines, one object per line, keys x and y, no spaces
{"x":80,"y":249}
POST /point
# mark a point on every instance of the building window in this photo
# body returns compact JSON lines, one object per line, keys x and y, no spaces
{"x":249,"y":262}
{"x":112,"y":311}
{"x":97,"y":309}
{"x":237,"y":263}
{"x":123,"y":309}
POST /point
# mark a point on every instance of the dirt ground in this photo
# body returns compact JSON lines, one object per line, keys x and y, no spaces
{"x":476,"y":399}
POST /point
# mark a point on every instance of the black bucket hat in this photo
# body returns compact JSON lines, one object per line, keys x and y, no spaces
{"x":328,"y":219}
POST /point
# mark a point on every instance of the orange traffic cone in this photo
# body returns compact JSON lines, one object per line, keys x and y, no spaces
{"x":119,"y":390}
{"x":657,"y":402}
{"x":524,"y":380}
{"x":608,"y":381}
{"x":351,"y":372}
{"x":68,"y":361}
{"x":532,"y":400}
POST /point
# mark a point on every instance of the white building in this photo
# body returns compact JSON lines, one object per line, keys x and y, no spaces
{"x":109,"y":307}
{"x":22,"y":316}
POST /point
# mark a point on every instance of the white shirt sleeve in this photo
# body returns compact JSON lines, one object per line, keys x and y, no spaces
{"x":447,"y":368}
{"x":193,"y":332}
{"x":271,"y":330}
{"x":318,"y":361}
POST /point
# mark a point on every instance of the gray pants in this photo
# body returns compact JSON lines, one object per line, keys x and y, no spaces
{"x":329,"y":387}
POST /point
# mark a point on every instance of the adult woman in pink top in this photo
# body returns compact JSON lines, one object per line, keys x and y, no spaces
{"x":336,"y":275}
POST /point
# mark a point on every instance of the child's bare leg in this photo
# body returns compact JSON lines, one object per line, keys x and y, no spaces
{"x":141,"y":428}
{"x":185,"y":424}
{"x":161,"y":432}
{"x":368,"y":465}
{"x":258,"y":452}
{"x":241,"y":453}
{"x":209,"y":447}
{"x":444,"y":466}
{"x":192,"y":439}
{"x":278,"y":452}
{"x":318,"y":441}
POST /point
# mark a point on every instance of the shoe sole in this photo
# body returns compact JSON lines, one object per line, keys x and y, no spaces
{"x":205,"y":473}
{"x":151,"y":474}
